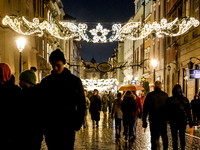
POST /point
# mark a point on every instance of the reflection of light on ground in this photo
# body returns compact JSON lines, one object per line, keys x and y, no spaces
{"x":104,"y":137}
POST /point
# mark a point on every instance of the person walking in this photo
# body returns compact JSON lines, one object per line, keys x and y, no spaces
{"x":138,"y":114}
{"x":63,"y":104}
{"x":110,"y":101}
{"x":154,"y":105}
{"x":9,"y":94}
{"x":195,"y":105}
{"x":129,"y":108}
{"x":117,"y":114}
{"x":30,"y":132}
{"x":86,"y":111}
{"x":105,"y":102}
{"x":95,"y":108}
{"x":178,"y":113}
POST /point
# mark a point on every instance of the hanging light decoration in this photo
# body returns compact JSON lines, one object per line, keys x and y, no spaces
{"x":68,"y":30}
{"x":99,"y":84}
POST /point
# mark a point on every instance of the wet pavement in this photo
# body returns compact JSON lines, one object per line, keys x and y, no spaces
{"x":103,"y":137}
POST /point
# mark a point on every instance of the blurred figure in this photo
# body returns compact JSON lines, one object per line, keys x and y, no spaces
{"x":95,"y":108}
{"x":142,"y":98}
{"x":86,"y":110}
{"x":154,"y":105}
{"x":138,"y":114}
{"x":30,"y":130}
{"x":129,"y":108}
{"x":195,"y":106}
{"x":9,"y":94}
{"x":117,"y":114}
{"x":110,"y":101}
{"x":105,"y":102}
{"x":178,"y":112}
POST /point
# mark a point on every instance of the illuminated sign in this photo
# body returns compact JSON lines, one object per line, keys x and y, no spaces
{"x":194,"y":74}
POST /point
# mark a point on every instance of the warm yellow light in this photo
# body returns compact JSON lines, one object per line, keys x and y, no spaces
{"x":154,"y":63}
{"x":20,"y":44}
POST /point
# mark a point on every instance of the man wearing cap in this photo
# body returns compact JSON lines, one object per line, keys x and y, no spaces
{"x":29,"y":130}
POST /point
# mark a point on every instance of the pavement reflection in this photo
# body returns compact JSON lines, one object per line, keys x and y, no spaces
{"x":103,"y":137}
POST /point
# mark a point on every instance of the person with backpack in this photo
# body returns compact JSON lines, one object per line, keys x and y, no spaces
{"x":178,"y":113}
{"x":105,"y":102}
{"x":154,"y":106}
{"x":117,"y":114}
{"x":129,"y":108}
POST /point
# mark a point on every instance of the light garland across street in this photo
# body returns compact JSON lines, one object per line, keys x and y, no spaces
{"x":132,"y":30}
{"x":100,"y":84}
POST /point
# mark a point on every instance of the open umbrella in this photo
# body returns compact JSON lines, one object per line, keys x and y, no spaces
{"x":131,"y":87}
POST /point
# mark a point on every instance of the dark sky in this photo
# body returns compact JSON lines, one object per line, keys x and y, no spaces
{"x":106,"y":12}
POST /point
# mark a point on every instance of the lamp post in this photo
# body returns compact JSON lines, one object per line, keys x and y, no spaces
{"x":154,"y":64}
{"x":20,"y":45}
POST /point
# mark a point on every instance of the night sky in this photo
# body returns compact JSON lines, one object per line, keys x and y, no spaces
{"x":106,"y":12}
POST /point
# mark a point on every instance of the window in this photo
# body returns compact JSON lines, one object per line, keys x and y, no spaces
{"x":195,"y":33}
{"x":186,"y":39}
{"x":196,"y":9}
{"x":179,"y":12}
{"x":187,"y":8}
{"x":159,"y":12}
{"x":154,"y":15}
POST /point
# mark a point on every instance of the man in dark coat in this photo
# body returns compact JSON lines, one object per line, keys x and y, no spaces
{"x":154,"y":105}
{"x":195,"y":105}
{"x":95,"y":108}
{"x":63,"y":103}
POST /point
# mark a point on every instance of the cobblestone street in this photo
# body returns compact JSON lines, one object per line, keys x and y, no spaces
{"x":103,"y":137}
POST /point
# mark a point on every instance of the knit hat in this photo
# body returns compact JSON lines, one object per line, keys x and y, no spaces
{"x":29,"y":76}
{"x":6,"y":71}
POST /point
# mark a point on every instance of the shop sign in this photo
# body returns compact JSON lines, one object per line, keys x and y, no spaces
{"x":194,"y":74}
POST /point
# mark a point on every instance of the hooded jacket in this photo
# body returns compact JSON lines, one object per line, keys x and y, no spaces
{"x":63,"y":101}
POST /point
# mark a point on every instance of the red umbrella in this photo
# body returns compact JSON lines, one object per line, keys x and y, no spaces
{"x":131,"y":87}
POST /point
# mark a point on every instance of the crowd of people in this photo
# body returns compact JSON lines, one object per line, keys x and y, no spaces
{"x":156,"y":106}
{"x":58,"y":106}
{"x":54,"y":108}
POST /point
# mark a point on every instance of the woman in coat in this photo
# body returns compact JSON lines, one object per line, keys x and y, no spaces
{"x":95,"y":108}
{"x":117,"y":114}
{"x":129,"y":108}
{"x":178,"y":112}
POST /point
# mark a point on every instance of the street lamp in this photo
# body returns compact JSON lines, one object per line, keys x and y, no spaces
{"x":20,"y":45}
{"x":154,"y":64}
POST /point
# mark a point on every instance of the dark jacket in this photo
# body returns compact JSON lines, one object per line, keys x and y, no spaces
{"x":63,"y":101}
{"x":195,"y":105}
{"x":129,"y":108}
{"x":9,"y":106}
{"x":178,"y":110}
{"x":95,"y":107}
{"x":154,"y":105}
{"x":29,"y":125}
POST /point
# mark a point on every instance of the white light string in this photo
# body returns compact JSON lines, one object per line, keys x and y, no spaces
{"x":68,"y":30}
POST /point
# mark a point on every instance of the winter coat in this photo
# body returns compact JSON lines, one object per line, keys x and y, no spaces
{"x":63,"y":101}
{"x":139,"y":106}
{"x":154,"y":105}
{"x":195,"y":106}
{"x":129,"y":108}
{"x":9,"y":106}
{"x":116,"y":110}
{"x":30,"y":129}
{"x":104,"y":99}
{"x":178,"y":110}
{"x":95,"y":107}
{"x":110,"y":100}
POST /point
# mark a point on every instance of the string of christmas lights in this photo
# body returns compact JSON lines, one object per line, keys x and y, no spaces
{"x":68,"y":30}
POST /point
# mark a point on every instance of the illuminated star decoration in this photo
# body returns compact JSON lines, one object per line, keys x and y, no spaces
{"x":131,"y":30}
{"x":99,"y":33}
